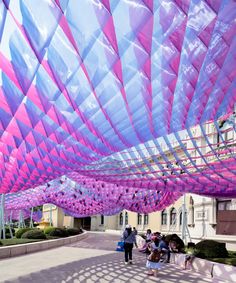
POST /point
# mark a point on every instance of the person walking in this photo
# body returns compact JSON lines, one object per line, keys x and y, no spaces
{"x":129,"y":240}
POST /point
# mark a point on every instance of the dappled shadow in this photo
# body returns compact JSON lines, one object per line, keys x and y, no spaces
{"x":109,"y":268}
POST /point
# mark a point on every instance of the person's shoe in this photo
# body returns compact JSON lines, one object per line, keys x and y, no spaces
{"x":126,"y":262}
{"x":130,"y":262}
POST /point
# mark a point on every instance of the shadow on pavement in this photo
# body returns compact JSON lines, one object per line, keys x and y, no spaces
{"x":109,"y":268}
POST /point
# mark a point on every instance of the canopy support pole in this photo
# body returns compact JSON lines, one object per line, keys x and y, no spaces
{"x":31,"y":217}
{"x":2,"y":220}
{"x":10,"y":224}
{"x":185,"y":230}
{"x":50,"y":216}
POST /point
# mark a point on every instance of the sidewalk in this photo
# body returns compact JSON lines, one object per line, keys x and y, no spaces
{"x":91,"y":260}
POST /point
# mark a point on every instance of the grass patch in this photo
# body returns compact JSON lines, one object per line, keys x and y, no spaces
{"x":15,"y":241}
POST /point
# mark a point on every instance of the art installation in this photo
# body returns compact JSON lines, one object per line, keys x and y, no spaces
{"x":112,"y":105}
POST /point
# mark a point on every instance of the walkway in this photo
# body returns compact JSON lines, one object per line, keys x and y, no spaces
{"x":90,"y":260}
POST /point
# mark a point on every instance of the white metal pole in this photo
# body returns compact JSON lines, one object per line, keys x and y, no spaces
{"x":50,"y":217}
{"x":123,"y":226}
{"x":184,"y":220}
{"x":3,"y":220}
{"x":31,"y":217}
{"x":0,"y":220}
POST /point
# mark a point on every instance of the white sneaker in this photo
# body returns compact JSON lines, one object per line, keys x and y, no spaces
{"x":126,"y":262}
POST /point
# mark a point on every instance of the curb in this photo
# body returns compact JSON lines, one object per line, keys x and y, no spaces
{"x":16,"y":250}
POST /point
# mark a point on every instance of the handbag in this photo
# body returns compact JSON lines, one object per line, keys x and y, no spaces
{"x":120,"y":246}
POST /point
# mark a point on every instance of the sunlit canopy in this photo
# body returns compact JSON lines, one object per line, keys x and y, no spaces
{"x":132,"y":102}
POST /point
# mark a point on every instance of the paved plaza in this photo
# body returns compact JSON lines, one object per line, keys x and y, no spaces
{"x":91,"y":260}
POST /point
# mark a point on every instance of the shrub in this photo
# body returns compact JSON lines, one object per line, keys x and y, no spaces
{"x":34,"y":234}
{"x":73,"y":231}
{"x":177,"y":240}
{"x":21,"y":231}
{"x":58,"y":232}
{"x":47,"y":230}
{"x":1,"y":243}
{"x":211,"y":249}
{"x":7,"y":233}
{"x":233,"y":261}
{"x":7,"y":230}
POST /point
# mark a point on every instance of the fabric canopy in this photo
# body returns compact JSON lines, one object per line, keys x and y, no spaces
{"x":130,"y":101}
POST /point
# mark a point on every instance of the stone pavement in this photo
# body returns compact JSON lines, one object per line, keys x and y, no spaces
{"x":91,"y":260}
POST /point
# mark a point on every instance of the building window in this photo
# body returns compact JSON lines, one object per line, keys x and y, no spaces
{"x":145,"y":219}
{"x":173,"y":216}
{"x":164,"y":217}
{"x":139,"y":219}
{"x":225,"y":217}
{"x":121,"y":219}
{"x":126,"y":218}
{"x":224,"y":205}
{"x":102,"y":219}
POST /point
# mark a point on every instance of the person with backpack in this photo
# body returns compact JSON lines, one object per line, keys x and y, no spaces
{"x":129,"y":240}
{"x":153,"y":260}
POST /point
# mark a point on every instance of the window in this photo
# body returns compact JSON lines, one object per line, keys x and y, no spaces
{"x":145,"y":219}
{"x":173,"y":216}
{"x":224,"y":205}
{"x":102,"y":219}
{"x":139,"y":219}
{"x":121,"y":219}
{"x":126,"y":218}
{"x":164,"y":217}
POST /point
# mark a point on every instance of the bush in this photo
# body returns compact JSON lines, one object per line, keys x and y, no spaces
{"x":21,"y":231}
{"x":58,"y":232}
{"x":1,"y":243}
{"x":34,"y":234}
{"x":211,"y":249}
{"x":177,"y":240}
{"x":73,"y":231}
{"x":7,"y":233}
{"x":47,"y":230}
{"x":233,"y":261}
{"x":8,"y":236}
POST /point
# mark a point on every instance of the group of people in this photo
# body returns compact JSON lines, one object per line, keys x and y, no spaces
{"x":155,"y":247}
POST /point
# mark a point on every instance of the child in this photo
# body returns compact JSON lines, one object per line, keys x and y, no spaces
{"x":153,"y":263}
